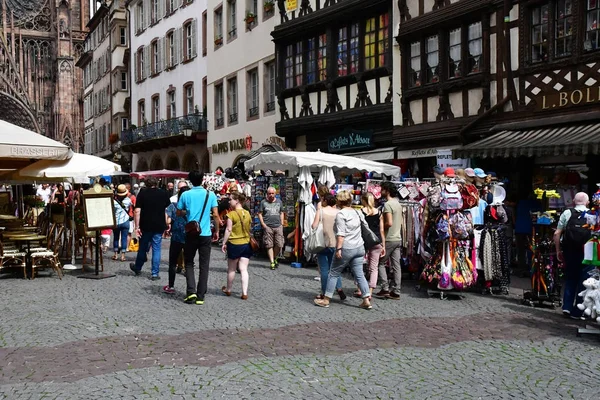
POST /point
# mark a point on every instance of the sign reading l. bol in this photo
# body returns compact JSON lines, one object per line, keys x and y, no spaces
{"x":570,"y":98}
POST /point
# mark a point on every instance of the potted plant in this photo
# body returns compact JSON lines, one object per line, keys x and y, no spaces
{"x":218,"y":40}
{"x":250,"y":17}
{"x":269,"y":6}
{"x":113,"y":138}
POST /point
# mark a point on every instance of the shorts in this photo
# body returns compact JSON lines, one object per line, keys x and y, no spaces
{"x":273,"y":237}
{"x":130,"y":226}
{"x":105,"y":240}
{"x":235,"y":251}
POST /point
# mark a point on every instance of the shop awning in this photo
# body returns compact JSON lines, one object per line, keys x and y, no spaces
{"x":385,"y":154}
{"x":573,"y":139}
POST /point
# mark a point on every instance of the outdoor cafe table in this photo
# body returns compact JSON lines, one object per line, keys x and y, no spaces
{"x":26,"y":238}
{"x":8,"y":217}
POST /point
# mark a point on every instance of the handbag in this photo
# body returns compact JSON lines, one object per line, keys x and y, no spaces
{"x":134,"y":245}
{"x":193,"y":227}
{"x":371,"y":240}
{"x":316,"y":240}
{"x":253,"y":243}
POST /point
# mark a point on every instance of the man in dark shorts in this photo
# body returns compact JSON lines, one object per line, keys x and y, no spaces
{"x":271,"y":219}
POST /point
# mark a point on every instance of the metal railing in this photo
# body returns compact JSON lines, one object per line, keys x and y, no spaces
{"x":233,"y":118}
{"x":171,"y":127}
{"x":270,"y":106}
{"x":253,"y":111}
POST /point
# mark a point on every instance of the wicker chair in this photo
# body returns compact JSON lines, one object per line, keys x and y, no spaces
{"x":48,"y":258}
{"x":13,"y":258}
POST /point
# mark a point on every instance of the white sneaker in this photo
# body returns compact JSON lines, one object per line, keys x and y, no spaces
{"x":317,"y":278}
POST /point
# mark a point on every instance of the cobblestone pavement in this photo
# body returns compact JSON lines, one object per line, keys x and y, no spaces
{"x":122,"y":338}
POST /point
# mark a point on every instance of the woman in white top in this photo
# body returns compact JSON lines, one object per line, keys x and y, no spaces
{"x":349,"y":250}
{"x":326,"y":215}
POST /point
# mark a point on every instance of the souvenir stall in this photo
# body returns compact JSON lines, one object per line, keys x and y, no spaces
{"x":301,"y":166}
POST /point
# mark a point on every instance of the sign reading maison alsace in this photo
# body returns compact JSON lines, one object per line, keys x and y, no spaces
{"x":350,"y":140}
{"x":589,"y":95}
{"x":232,"y":145}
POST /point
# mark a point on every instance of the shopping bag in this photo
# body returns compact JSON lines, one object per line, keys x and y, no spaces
{"x":316,"y":240}
{"x":591,"y":252}
{"x":134,"y":245}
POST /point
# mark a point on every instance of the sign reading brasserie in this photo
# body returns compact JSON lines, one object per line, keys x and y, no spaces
{"x":232,"y":145}
{"x":570,"y":98}
{"x":350,"y":140}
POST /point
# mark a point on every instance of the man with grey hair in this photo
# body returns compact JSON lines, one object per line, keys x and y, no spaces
{"x":574,"y":227}
{"x":271,"y":219}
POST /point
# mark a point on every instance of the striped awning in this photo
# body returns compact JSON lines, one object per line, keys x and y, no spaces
{"x":579,"y":139}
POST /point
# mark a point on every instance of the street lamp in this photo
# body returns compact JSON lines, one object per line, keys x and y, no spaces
{"x":187,"y":130}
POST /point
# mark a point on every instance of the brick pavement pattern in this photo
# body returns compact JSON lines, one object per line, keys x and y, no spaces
{"x":123,"y":338}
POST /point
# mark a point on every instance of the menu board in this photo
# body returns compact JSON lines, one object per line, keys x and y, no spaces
{"x":99,"y":211}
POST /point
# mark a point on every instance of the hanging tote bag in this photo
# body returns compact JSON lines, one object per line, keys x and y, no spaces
{"x":371,"y":240}
{"x":316,"y":240}
{"x":253,"y":242}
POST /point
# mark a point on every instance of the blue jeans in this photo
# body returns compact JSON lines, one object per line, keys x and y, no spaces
{"x":148,"y":239}
{"x":123,"y":231}
{"x":354,"y":258}
{"x":324,"y":259}
{"x":575,"y":274}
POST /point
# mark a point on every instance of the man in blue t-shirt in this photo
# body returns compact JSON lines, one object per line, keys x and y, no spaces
{"x":197,"y":205}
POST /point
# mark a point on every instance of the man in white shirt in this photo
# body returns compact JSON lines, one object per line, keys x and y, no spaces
{"x":44,"y":192}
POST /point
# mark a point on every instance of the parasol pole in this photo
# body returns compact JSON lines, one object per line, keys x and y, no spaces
{"x":72,"y":266}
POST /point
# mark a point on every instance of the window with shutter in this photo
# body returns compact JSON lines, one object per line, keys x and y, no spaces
{"x":147,"y":13}
{"x":147,"y":62}
{"x":161,"y":55}
{"x":194,"y":51}
{"x":179,"y":45}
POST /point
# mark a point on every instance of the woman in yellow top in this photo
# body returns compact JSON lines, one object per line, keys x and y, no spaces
{"x":236,"y":243}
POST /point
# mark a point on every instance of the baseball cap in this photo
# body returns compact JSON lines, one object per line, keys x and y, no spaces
{"x":449,"y":172}
{"x":438,"y":170}
{"x":470,"y":172}
{"x":479,"y":173}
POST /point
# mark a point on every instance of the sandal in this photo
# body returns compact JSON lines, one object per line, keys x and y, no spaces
{"x":341,"y":294}
{"x":224,"y":290}
{"x":322,"y":303}
{"x":357,"y":294}
{"x":122,"y":257}
{"x":365,"y":306}
{"x":114,"y":257}
{"x":319,"y":297}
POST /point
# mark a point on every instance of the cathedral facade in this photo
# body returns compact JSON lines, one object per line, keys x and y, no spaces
{"x":40,"y":87}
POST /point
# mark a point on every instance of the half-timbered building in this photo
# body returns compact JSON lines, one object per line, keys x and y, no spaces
{"x":499,"y":78}
{"x":334,"y":74}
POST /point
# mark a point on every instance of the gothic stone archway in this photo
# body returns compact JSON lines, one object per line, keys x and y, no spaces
{"x":190,"y":162}
{"x":156,"y":163}
{"x":172,"y":162}
{"x":142,"y":165}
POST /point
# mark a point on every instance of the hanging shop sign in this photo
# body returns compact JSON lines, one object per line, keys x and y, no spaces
{"x":276,"y":141}
{"x":248,"y":142}
{"x":291,"y":5}
{"x":445,"y":160}
{"x":232,"y":145}
{"x":350,"y":140}
{"x":569,"y":98}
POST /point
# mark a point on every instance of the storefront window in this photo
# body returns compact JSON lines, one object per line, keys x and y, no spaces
{"x":433,"y":59}
{"x":475,"y":47}
{"x":539,"y":34}
{"x":415,"y":64}
{"x":563,"y":42}
{"x":592,"y":28}
{"x":454,"y":62}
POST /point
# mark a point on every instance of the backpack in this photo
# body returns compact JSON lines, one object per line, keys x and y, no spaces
{"x":442,"y":228}
{"x":577,"y":232}
{"x":470,"y":196}
{"x":434,"y":197}
{"x":451,"y":198}
{"x":461,"y":226}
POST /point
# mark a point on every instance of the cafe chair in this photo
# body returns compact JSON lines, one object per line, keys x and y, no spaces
{"x":48,"y":258}
{"x":12,"y":259}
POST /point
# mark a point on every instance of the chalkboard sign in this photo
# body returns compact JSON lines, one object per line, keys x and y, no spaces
{"x":99,"y":211}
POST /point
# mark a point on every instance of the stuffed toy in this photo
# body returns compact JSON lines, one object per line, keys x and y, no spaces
{"x":591,"y":299}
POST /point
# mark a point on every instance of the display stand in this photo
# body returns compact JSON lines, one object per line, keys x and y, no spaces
{"x":99,"y":214}
{"x":445,"y":294}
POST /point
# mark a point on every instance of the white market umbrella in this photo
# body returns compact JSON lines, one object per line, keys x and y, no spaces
{"x":20,"y":143}
{"x":293,"y":161}
{"x":78,"y":168}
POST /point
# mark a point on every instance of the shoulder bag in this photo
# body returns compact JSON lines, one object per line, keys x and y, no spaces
{"x":316,"y":240}
{"x":124,"y":209}
{"x":253,"y":243}
{"x":193,"y":227}
{"x":371,"y":240}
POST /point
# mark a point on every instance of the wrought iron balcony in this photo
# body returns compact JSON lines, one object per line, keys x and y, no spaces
{"x":253,"y":111}
{"x":233,"y":118}
{"x":270,"y":106}
{"x":171,"y":127}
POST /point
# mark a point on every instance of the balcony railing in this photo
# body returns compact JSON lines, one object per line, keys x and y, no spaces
{"x":162,"y":129}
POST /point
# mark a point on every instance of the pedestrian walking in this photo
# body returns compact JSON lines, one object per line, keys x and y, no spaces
{"x":271,"y":217}
{"x":392,"y":221}
{"x":325,"y":215}
{"x":150,"y":224}
{"x":374,"y":218}
{"x":197,"y":205}
{"x":349,"y":250}
{"x":236,"y":243}
{"x":177,"y":229}
{"x":121,"y":230}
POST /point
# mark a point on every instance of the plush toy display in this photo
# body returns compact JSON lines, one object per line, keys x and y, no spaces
{"x":591,"y":299}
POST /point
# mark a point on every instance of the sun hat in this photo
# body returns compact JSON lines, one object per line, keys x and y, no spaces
{"x":470,"y":172}
{"x":499,"y":194}
{"x":438,"y":170}
{"x":479,"y":173}
{"x":122,"y":190}
{"x":449,"y":172}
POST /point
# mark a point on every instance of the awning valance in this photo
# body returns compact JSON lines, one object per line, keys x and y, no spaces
{"x":384,"y":154}
{"x":575,"y":139}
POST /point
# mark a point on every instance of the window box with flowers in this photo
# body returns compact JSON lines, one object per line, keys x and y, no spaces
{"x":250,"y":18}
{"x":269,"y":6}
{"x":113,"y":138}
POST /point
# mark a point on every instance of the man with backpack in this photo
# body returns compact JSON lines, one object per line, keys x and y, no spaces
{"x":574,"y":227}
